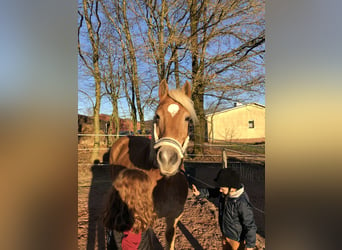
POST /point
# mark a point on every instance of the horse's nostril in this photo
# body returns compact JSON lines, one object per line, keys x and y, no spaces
{"x":163,"y":156}
{"x":168,"y":157}
{"x":173,"y":158}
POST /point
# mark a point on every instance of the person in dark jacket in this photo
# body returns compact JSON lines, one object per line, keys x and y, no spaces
{"x":236,"y":218}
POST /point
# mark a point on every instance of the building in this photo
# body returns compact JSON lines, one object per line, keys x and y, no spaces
{"x":85,"y":125}
{"x":241,"y":123}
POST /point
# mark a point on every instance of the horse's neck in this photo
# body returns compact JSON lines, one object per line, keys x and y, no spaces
{"x":152,"y":157}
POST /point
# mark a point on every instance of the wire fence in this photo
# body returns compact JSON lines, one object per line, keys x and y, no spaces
{"x":86,"y":146}
{"x":149,"y":135}
{"x":251,"y":172}
{"x":208,"y":156}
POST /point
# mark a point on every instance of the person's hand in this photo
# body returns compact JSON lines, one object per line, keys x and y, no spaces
{"x":195,"y":191}
{"x":247,"y":248}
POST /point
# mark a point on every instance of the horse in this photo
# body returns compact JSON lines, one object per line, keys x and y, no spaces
{"x":162,"y":156}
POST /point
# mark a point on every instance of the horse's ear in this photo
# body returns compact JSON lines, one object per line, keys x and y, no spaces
{"x":163,"y":89}
{"x":187,"y":89}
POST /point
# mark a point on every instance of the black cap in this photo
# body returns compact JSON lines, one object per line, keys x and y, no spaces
{"x":227,"y":177}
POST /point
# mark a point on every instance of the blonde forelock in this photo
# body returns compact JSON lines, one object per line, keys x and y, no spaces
{"x":178,"y":96}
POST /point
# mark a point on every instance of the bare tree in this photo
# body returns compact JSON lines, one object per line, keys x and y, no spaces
{"x":112,"y":79}
{"x":90,"y":14}
{"x":210,"y":23}
{"x":217,"y":44}
{"x":166,"y":23}
{"x":213,"y":43}
{"x":116,"y":12}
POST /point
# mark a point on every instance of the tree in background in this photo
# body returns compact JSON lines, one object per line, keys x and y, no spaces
{"x":217,"y":44}
{"x":165,"y":27}
{"x":116,"y":12}
{"x":225,"y":36}
{"x":111,"y":79}
{"x":89,"y":13}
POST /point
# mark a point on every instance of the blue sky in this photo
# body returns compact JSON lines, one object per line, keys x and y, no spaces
{"x":145,"y":71}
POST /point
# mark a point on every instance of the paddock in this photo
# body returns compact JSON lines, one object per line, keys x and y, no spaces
{"x":198,"y":227}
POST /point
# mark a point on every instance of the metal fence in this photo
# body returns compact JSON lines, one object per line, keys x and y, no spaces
{"x":239,"y":161}
{"x":249,"y":171}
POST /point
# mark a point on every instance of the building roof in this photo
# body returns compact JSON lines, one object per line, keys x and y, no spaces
{"x":235,"y":107}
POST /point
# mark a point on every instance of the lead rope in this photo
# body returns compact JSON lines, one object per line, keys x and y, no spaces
{"x":210,"y":186}
{"x":198,"y":180}
{"x":217,"y":236}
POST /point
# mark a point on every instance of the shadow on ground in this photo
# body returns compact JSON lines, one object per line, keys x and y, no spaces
{"x":100,"y":185}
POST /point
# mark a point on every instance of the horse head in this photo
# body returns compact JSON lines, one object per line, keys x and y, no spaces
{"x":171,"y":126}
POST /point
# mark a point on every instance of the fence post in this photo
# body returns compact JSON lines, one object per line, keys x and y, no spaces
{"x":224,"y":159}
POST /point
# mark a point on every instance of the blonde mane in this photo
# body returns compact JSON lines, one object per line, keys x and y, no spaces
{"x":178,"y":96}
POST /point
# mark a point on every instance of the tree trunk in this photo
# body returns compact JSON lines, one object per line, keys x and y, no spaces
{"x":197,"y":84}
{"x":95,"y":154}
{"x":94,"y":40}
{"x":176,"y":69}
{"x":134,"y":74}
{"x":114,"y":126}
{"x":199,"y":130}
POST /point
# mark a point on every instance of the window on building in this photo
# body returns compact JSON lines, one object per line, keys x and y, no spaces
{"x":251,"y":124}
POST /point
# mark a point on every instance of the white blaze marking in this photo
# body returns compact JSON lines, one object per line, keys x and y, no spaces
{"x":173,"y":109}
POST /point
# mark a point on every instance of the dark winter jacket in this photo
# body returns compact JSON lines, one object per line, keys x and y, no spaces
{"x":236,"y":217}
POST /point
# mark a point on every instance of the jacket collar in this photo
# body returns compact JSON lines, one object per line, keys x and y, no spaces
{"x":237,"y":193}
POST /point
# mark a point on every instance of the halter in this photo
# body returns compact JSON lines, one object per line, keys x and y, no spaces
{"x":168,"y":141}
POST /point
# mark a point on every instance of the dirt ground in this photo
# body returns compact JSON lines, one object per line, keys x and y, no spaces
{"x":197,"y":229}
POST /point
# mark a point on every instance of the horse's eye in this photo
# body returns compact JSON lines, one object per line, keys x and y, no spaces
{"x":157,"y":117}
{"x":187,"y":118}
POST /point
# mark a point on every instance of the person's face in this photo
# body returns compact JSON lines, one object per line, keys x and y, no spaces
{"x":224,"y":190}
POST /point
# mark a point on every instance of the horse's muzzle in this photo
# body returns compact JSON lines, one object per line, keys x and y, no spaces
{"x":169,"y":160}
